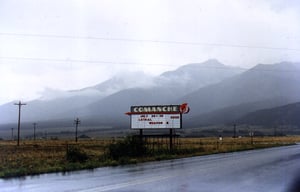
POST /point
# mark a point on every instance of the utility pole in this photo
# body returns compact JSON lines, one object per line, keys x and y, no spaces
{"x":275,"y":131}
{"x":46,"y":135}
{"x":34,"y":127}
{"x":19,"y":119}
{"x":251,"y":133}
{"x":77,"y":122}
{"x":234,"y":131}
{"x":12,"y":134}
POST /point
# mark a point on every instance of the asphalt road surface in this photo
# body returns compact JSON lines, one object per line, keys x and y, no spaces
{"x":266,"y":170}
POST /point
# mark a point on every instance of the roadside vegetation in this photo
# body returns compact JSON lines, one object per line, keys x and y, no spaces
{"x":45,"y":156}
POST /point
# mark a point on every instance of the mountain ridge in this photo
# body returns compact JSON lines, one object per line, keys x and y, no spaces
{"x":281,"y":115}
{"x":250,"y":86}
{"x":213,"y":99}
{"x":162,"y":89}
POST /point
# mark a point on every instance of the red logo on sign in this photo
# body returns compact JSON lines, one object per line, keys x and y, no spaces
{"x":184,"y":108}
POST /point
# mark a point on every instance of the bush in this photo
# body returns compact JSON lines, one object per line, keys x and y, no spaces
{"x":74,"y":154}
{"x":131,"y":146}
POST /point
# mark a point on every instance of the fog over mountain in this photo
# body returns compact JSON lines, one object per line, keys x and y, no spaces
{"x":194,"y":76}
{"x":101,"y":90}
{"x":263,"y":86}
{"x":114,"y":96}
{"x":122,"y":81}
{"x":216,"y":93}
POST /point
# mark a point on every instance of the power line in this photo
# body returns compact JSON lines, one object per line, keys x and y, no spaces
{"x":134,"y":63}
{"x":81,"y":61}
{"x":149,"y":41}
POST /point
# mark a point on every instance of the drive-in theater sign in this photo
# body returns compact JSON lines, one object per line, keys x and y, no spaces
{"x":158,"y":116}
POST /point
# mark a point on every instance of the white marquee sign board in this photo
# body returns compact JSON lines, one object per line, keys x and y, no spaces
{"x":156,"y":121}
{"x":157,"y":117}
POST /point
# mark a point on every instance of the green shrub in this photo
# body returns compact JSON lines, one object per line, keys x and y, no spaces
{"x":131,"y":146}
{"x":75,"y":154}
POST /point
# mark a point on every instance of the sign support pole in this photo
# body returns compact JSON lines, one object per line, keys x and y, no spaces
{"x":171,"y":140}
{"x":141,"y":134}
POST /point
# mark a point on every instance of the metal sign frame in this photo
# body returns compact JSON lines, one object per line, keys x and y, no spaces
{"x":157,"y":117}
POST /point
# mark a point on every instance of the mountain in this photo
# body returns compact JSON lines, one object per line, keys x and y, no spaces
{"x":260,"y":87}
{"x":283,"y":115}
{"x":57,"y":104}
{"x":191,"y":77}
{"x":111,"y":109}
{"x":217,"y":94}
{"x":106,"y":102}
{"x":38,"y":110}
{"x":230,"y":115}
{"x":167,"y":88}
{"x":121,"y":82}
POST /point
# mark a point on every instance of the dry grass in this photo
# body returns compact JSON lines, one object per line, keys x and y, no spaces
{"x":33,"y":157}
{"x":45,"y":156}
{"x":210,"y":145}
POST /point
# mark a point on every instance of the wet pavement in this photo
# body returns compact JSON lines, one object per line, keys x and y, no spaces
{"x":263,"y":170}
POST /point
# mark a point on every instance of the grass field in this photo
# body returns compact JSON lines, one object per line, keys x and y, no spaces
{"x":46,"y":156}
{"x":43,"y":156}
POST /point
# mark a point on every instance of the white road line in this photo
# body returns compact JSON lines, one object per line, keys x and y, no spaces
{"x":126,"y":184}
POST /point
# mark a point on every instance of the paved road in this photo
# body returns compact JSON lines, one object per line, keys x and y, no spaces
{"x":260,"y":170}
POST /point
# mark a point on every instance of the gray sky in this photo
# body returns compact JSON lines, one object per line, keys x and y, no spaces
{"x":71,"y":44}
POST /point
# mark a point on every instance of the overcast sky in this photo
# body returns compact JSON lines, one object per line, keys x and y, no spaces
{"x":71,"y":44}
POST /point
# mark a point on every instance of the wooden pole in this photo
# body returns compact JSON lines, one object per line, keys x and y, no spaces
{"x":77,"y":121}
{"x":34,"y":127}
{"x":19,"y":120}
{"x":12,"y":134}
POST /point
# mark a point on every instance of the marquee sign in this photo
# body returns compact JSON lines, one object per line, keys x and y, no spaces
{"x":156,"y":121}
{"x":157,"y":117}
